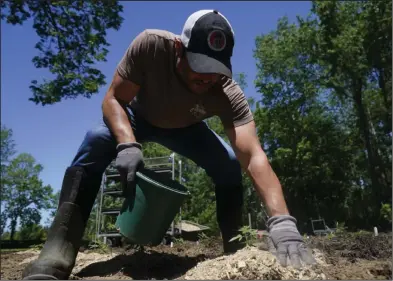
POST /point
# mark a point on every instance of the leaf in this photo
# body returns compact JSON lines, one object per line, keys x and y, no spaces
{"x":66,"y":44}
{"x":237,"y":237}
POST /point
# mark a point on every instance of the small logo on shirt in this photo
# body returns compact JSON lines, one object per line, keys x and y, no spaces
{"x":198,"y":111}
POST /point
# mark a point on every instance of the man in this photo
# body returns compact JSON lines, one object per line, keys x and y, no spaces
{"x":164,"y":87}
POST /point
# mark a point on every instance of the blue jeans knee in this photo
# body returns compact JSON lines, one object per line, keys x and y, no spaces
{"x":97,"y":150}
{"x":227,"y":174}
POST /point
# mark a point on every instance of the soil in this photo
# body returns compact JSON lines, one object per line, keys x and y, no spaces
{"x":346,"y":256}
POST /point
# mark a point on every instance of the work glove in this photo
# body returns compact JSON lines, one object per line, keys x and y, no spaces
{"x":287,"y":243}
{"x":128,"y":161}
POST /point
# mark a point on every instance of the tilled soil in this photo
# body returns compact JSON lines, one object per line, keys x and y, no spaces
{"x":346,"y":256}
{"x":160,"y":262}
{"x":11,"y":263}
{"x":356,"y":255}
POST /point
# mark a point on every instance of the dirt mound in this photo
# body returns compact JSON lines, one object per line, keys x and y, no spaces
{"x":160,"y":262}
{"x":355,"y":245}
{"x":252,"y":263}
{"x":344,"y":257}
{"x":359,"y":270}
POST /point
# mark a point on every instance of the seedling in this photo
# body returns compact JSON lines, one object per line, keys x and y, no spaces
{"x":247,"y":234}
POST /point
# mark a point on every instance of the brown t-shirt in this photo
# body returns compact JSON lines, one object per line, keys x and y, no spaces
{"x":163,"y":100}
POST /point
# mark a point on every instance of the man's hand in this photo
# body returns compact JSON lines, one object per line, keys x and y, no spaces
{"x":129,"y":160}
{"x":288,"y":242}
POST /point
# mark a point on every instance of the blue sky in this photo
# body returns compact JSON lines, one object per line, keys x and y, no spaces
{"x":52,"y":134}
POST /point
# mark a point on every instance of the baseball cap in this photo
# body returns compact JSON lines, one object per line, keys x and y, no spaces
{"x":209,"y":40}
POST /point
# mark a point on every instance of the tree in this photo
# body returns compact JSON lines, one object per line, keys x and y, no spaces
{"x":317,"y":88}
{"x":3,"y":221}
{"x":24,"y":193}
{"x":72,"y":40}
{"x":7,"y":151}
{"x":297,"y":129}
{"x":355,"y":46}
{"x":31,"y":232}
{"x":7,"y":144}
{"x":53,"y":208}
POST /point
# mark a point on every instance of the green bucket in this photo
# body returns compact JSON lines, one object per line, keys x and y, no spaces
{"x":145,"y":219}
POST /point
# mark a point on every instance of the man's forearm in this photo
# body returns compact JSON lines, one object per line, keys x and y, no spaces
{"x":117,"y":120}
{"x":267,"y":184}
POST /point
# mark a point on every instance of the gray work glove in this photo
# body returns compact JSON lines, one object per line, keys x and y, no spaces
{"x":129,"y":160}
{"x":287,"y":241}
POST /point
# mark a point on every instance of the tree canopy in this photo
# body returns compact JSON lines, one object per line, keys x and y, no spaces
{"x":72,"y":41}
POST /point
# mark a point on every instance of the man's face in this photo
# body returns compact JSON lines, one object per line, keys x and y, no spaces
{"x":200,"y":83}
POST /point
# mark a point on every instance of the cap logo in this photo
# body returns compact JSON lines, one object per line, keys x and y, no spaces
{"x":216,"y":40}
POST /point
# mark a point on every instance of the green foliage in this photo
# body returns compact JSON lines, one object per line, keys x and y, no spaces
{"x":179,"y":240}
{"x":152,"y":149}
{"x":298,"y":132}
{"x":72,"y":42}
{"x":7,"y":151}
{"x":24,"y":194}
{"x":7,"y":145}
{"x":321,"y":107}
{"x":200,"y":207}
{"x":99,"y":247}
{"x":355,"y":40}
{"x":247,"y":235}
{"x":32,"y":231}
{"x":386,"y":212}
{"x":240,"y":78}
{"x":55,"y":202}
{"x":341,"y":228}
{"x":331,"y":235}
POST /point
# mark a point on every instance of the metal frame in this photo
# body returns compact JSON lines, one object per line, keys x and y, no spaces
{"x":325,"y":230}
{"x":157,"y":164}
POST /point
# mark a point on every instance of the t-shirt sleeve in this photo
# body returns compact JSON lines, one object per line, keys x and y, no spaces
{"x":237,"y":112}
{"x":132,"y":65}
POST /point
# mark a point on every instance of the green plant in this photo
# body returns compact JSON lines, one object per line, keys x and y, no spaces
{"x":247,"y":234}
{"x":340,"y":227}
{"x":386,"y":212}
{"x":203,"y":237}
{"x":331,"y":235}
{"x":99,"y":246}
{"x":178,"y":240}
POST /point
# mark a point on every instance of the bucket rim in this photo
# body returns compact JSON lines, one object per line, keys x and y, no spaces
{"x":144,"y":177}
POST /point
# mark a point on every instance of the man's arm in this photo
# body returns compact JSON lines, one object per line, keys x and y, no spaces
{"x":253,"y":159}
{"x":125,"y":86}
{"x":281,"y":226}
{"x":120,"y":93}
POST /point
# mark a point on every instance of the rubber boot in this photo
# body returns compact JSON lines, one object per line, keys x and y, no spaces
{"x":58,"y":256}
{"x":229,"y":203}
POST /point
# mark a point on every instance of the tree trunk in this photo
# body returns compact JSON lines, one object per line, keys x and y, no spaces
{"x":371,"y":153}
{"x":13,"y":228}
{"x":385,"y":92}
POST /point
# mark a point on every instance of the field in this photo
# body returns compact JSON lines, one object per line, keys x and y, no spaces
{"x":345,"y":256}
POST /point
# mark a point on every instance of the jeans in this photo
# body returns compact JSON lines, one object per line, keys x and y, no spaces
{"x":196,"y":142}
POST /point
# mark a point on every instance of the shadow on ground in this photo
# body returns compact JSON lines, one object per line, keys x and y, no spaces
{"x":143,"y":265}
